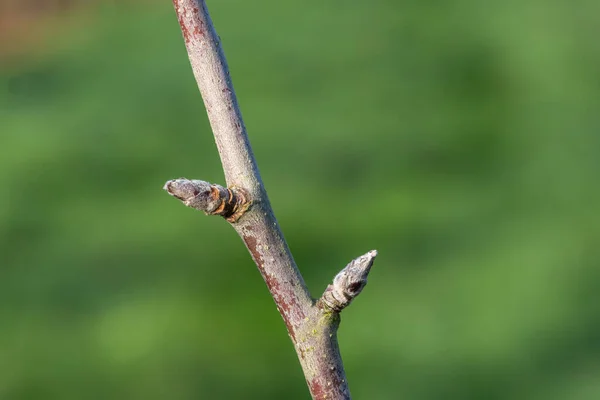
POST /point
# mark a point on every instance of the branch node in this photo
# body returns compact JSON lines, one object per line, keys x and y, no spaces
{"x":230,"y":203}
{"x":348,"y":283}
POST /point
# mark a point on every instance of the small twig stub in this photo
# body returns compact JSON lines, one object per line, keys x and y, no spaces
{"x":348,"y":283}
{"x":230,"y":203}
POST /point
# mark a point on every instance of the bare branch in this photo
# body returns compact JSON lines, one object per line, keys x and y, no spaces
{"x":312,"y":326}
{"x":348,"y":283}
{"x":212,"y":75}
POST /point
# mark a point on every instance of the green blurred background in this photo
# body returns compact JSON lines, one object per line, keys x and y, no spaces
{"x":461,"y":139}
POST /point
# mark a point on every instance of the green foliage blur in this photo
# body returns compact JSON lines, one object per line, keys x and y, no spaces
{"x":460,"y":139}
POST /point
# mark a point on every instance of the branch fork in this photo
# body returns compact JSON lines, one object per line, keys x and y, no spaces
{"x":312,"y":324}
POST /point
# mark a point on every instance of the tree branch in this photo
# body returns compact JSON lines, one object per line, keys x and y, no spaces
{"x":311,"y":325}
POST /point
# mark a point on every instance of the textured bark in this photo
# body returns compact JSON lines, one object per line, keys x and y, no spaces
{"x":311,"y":324}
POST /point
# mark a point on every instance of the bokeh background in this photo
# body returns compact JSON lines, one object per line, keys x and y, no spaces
{"x":461,"y":139}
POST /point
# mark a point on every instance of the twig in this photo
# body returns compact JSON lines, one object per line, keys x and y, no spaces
{"x":312,"y":325}
{"x":348,"y":283}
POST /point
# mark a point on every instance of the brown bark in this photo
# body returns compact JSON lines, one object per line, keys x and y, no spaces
{"x":311,"y":324}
